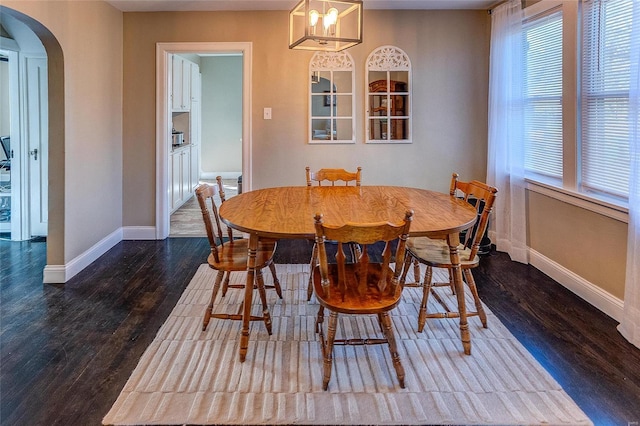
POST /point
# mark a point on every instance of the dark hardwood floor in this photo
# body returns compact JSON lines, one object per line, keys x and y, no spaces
{"x":66,"y":351}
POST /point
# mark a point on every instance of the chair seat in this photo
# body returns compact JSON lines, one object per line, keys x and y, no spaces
{"x":435,"y":253}
{"x":233,"y":256}
{"x":356,"y":300}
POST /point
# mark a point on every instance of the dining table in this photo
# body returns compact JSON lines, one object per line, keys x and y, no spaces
{"x":288,"y":212}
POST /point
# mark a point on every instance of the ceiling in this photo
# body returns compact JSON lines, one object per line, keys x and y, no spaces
{"x":208,"y":5}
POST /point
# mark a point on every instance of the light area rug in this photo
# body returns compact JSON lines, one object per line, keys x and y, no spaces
{"x":189,"y":376}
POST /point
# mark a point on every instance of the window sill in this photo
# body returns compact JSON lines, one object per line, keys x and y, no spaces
{"x":615,"y":211}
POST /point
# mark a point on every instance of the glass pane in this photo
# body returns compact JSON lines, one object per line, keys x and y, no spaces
{"x":343,"y":129}
{"x":402,"y":80}
{"x":323,"y":84}
{"x":378,"y":105}
{"x":378,"y":128}
{"x":342,"y":107}
{"x":321,"y":129}
{"x":320,"y":106}
{"x":377,"y":81}
{"x":400,"y":105}
{"x":342,"y":81}
{"x":399,"y":128}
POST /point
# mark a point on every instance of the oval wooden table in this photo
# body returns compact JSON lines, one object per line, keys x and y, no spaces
{"x":288,"y":212}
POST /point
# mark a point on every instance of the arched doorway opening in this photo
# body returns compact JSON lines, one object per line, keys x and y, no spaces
{"x":55,"y":129}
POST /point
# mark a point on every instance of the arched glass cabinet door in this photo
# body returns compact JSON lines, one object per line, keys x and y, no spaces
{"x":388,"y":91}
{"x":331,"y":100}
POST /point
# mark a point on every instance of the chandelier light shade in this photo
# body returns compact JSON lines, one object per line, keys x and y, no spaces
{"x":326,"y":25}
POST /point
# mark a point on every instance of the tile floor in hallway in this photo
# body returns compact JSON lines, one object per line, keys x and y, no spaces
{"x":187,"y":220}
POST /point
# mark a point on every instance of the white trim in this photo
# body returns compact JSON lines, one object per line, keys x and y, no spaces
{"x":540,"y":7}
{"x":9,"y":44}
{"x":139,"y":233}
{"x":62,"y":273}
{"x":54,"y":274}
{"x":588,"y":291}
{"x":614,"y":211}
{"x":163,"y":50}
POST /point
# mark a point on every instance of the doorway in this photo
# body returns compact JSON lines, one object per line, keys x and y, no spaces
{"x":24,"y":127}
{"x":164,"y":114}
{"x":216,"y":144}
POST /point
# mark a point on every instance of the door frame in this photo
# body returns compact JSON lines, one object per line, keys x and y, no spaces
{"x":163,"y":121}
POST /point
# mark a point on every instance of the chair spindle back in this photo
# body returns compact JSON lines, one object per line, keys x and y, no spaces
{"x":482,"y":197}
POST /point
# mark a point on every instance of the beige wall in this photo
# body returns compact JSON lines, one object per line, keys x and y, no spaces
{"x":582,"y":241}
{"x":449,"y":53}
{"x":85,"y":146}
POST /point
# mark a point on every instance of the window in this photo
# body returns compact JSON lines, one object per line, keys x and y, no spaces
{"x":331,"y":100}
{"x":542,"y":92}
{"x":388,"y":90}
{"x":605,"y":97}
{"x":576,"y":101}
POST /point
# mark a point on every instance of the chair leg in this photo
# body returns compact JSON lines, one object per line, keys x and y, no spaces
{"x":416,"y":271}
{"x":405,"y":268}
{"x":225,"y":283}
{"x":474,"y":291}
{"x":276,"y":282}
{"x":209,"y":311}
{"x":426,"y":290}
{"x":453,"y":287}
{"x":320,"y":320}
{"x":393,"y":347}
{"x":328,"y":350}
{"x":263,"y":298}
{"x":312,"y":265}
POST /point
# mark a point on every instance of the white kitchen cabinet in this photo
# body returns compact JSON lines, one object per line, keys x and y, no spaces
{"x":185,"y":168}
{"x":180,"y":182}
{"x":184,"y":160}
{"x":195,"y":166}
{"x":180,"y":83}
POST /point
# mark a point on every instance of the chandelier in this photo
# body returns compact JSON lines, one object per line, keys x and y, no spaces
{"x":327,"y":25}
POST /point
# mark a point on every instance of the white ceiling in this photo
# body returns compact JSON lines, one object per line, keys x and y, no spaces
{"x":207,"y":5}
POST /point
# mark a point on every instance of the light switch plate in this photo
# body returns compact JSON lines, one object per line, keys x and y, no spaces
{"x":267,"y":113}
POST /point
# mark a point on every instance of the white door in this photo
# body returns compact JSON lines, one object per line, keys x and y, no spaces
{"x":37,"y":143}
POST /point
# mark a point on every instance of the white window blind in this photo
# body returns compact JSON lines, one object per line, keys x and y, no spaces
{"x":542,"y":47}
{"x":604,"y":149}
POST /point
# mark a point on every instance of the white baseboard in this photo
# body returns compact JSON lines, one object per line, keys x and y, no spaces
{"x":139,"y":233}
{"x":588,"y":291}
{"x":62,"y":273}
{"x":225,"y":175}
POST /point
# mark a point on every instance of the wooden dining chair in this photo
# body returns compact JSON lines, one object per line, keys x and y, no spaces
{"x":229,"y":254}
{"x":329,"y":177}
{"x":435,"y":254}
{"x":226,"y":282}
{"x":362,"y":287}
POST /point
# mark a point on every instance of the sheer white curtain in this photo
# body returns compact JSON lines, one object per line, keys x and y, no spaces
{"x":630,"y":326}
{"x":505,"y":168}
